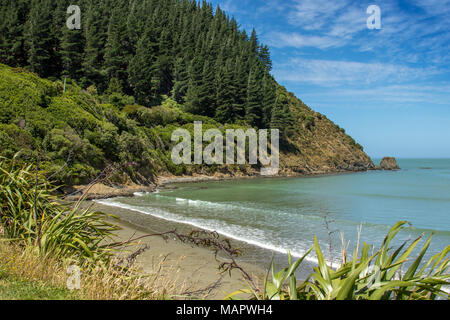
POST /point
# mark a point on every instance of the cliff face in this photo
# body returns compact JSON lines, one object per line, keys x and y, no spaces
{"x":320,"y":146}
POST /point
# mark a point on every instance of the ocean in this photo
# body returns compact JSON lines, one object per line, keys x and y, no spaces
{"x":284,"y":214}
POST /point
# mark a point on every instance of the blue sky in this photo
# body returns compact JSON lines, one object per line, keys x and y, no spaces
{"x":389,"y":88}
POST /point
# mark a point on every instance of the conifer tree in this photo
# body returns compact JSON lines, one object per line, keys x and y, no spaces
{"x":241,"y":84}
{"x":193,"y":95}
{"x":153,"y":48}
{"x":163,"y":68}
{"x":95,"y":23}
{"x":13,"y":15}
{"x":226,"y":105}
{"x":72,"y":43}
{"x":118,"y":46}
{"x":180,"y":81}
{"x":141,"y":70}
{"x":40,"y":39}
{"x":253,"y":107}
{"x":264,"y":56}
{"x":268,"y":100}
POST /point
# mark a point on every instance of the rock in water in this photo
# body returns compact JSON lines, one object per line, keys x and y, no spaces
{"x":389,"y":163}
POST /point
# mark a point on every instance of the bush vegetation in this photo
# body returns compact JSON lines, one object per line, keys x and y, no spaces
{"x":40,"y":238}
{"x":78,"y":133}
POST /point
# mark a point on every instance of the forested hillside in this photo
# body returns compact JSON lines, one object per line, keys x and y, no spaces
{"x":150,"y":48}
{"x":136,"y":71}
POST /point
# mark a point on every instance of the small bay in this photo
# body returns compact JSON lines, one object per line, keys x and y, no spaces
{"x":284,"y":214}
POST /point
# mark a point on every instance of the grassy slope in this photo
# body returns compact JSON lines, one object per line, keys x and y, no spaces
{"x":35,"y":114}
{"x":323,"y":147}
{"x":12,"y":288}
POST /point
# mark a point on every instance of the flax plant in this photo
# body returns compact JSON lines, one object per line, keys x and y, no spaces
{"x":376,"y":276}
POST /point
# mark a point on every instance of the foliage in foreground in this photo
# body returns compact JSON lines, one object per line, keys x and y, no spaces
{"x":367,"y":277}
{"x":14,"y":288}
{"x":26,"y":274}
{"x":40,"y":238}
{"x":31,"y":215}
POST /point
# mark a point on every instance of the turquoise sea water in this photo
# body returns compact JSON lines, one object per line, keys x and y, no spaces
{"x":284,"y":214}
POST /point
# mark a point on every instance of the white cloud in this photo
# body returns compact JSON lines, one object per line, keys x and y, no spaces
{"x":433,"y":7}
{"x":337,"y":73}
{"x":296,"y":40}
{"x":352,"y":21}
{"x":314,"y":14}
{"x":327,"y":24}
{"x":384,"y":95}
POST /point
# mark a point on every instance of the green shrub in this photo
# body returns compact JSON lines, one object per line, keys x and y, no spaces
{"x":157,"y":116}
{"x":14,"y":139}
{"x":31,"y":215}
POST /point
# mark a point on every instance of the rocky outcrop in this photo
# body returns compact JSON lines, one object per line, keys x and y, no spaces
{"x":389,"y":163}
{"x":101,"y":191}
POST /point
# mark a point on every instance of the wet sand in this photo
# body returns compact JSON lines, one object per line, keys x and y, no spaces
{"x":197,"y":266}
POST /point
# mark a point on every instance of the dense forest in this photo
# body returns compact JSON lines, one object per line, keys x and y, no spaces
{"x":148,"y":49}
{"x":112,"y":92}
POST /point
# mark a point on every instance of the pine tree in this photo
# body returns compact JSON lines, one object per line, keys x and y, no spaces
{"x":137,"y":20}
{"x":253,"y":107}
{"x":277,"y":119}
{"x":193,"y":95}
{"x":72,"y":44}
{"x":95,"y":22}
{"x":253,"y":43}
{"x":269,"y":99}
{"x":118,"y":46}
{"x":226,"y":105}
{"x":241,"y":83}
{"x":13,"y":14}
{"x":180,"y":81}
{"x":163,"y":67}
{"x":152,"y":47}
{"x":281,"y":118}
{"x":141,"y":70}
{"x":40,"y":39}
{"x":264,"y":57}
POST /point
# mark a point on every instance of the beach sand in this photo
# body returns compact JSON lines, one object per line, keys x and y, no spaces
{"x":197,"y":266}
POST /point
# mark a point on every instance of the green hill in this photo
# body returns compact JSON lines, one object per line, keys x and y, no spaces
{"x":37,"y":117}
{"x":136,"y":71}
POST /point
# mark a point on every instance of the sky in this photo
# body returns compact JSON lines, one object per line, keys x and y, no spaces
{"x":389,"y":87}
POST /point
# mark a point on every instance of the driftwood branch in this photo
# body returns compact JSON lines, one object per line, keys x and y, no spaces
{"x":206,"y":239}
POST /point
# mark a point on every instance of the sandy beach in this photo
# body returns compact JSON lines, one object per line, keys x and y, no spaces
{"x":197,"y":267}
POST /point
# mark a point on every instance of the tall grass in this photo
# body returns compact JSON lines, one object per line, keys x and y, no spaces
{"x":99,"y":281}
{"x":40,"y":238}
{"x":31,"y":215}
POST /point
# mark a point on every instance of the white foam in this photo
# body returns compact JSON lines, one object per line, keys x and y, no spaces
{"x":220,"y":229}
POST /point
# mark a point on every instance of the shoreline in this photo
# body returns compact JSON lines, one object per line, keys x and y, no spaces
{"x":196,"y":266}
{"x":255,"y":259}
{"x":101,"y":191}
